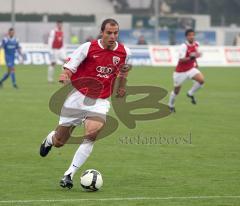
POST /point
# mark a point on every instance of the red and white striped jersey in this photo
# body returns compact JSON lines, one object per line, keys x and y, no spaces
{"x":55,"y":39}
{"x":95,"y":68}
{"x":185,"y":50}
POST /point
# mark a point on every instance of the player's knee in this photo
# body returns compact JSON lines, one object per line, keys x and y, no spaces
{"x":201,"y":81}
{"x":176,"y":91}
{"x":58,"y":144}
{"x":92,"y":134}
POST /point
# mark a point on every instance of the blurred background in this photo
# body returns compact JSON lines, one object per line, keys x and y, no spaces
{"x":217,"y":22}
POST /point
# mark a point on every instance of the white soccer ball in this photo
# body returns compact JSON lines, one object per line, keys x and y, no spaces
{"x":91,"y":180}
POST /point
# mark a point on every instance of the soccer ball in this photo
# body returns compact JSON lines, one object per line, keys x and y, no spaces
{"x":91,"y":180}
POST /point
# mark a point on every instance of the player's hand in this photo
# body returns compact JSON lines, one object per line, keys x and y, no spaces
{"x":64,"y":78}
{"x":194,"y":55}
{"x":199,"y":54}
{"x":125,"y":68}
{"x":21,"y":59}
{"x":121,"y":92}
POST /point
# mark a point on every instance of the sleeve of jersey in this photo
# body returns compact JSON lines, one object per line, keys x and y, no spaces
{"x":129,"y":55}
{"x":182,"y":51}
{"x":77,"y":57}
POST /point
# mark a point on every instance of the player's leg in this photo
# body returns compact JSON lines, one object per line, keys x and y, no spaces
{"x":5,"y":76}
{"x":62,"y":55}
{"x":198,"y":78}
{"x":67,"y":123}
{"x":92,"y":126}
{"x":56,"y":138}
{"x":51,"y":67}
{"x":172,"y":98}
{"x":178,"y":79}
{"x":13,"y":77}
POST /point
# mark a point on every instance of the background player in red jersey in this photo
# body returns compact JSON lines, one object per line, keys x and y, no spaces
{"x":56,"y":43}
{"x":187,"y":68}
{"x":97,"y":64}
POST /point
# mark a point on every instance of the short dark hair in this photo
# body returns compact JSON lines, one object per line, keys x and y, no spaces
{"x":10,"y":29}
{"x":59,"y":21}
{"x":189,"y":31}
{"x":110,"y":21}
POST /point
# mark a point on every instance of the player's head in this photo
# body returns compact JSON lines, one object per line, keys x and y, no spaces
{"x":11,"y":32}
{"x":109,"y":32}
{"x":59,"y":24}
{"x":190,"y":35}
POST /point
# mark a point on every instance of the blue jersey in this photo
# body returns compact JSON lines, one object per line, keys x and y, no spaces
{"x":10,"y":46}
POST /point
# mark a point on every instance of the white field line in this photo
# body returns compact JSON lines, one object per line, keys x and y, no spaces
{"x":121,"y":199}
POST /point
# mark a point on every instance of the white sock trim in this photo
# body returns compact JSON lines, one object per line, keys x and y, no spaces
{"x":172,"y":99}
{"x":50,"y":136}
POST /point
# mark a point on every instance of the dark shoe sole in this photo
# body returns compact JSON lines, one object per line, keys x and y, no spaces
{"x":44,"y":150}
{"x":193,"y":100}
{"x":172,"y":109}
{"x":68,"y":185}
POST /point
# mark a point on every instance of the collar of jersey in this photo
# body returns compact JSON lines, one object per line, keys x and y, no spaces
{"x":189,"y":43}
{"x":99,"y":44}
{"x":11,"y":38}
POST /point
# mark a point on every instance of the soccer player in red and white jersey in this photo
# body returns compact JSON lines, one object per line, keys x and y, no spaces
{"x":94,"y":65}
{"x":187,"y":68}
{"x":56,"y":45}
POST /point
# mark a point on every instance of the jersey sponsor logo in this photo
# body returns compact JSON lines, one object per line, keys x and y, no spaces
{"x":103,"y":76}
{"x":116,"y":60}
{"x":11,"y":46}
{"x":104,"y":70}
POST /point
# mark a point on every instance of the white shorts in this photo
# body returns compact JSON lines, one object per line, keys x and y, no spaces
{"x":77,"y":107}
{"x":57,"y":56}
{"x":180,"y":77}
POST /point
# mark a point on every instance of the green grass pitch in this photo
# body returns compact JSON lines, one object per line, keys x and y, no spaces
{"x":203,"y":173}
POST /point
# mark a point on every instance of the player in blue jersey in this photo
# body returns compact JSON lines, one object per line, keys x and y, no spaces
{"x":10,"y":46}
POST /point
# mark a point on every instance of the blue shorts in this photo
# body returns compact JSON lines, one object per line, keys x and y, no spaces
{"x":10,"y":61}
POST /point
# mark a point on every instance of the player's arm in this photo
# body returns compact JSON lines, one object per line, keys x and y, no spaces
{"x":198,"y":53}
{"x":122,"y":77}
{"x":71,"y":66}
{"x":65,"y":76}
{"x":2,"y":44}
{"x":195,"y":55}
{"x":19,"y":50}
{"x":21,"y":57}
{"x":182,"y":54}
